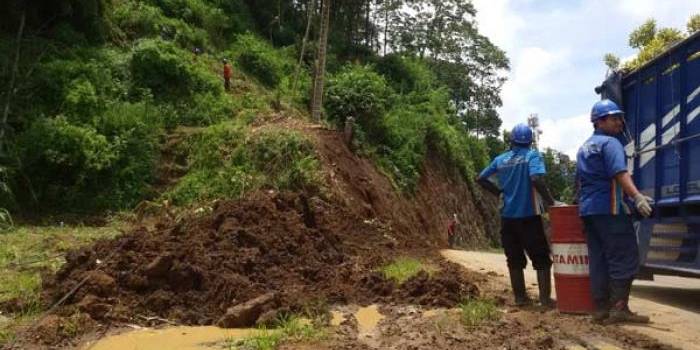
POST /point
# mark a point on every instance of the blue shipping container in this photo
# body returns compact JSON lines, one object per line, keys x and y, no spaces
{"x":662,"y":104}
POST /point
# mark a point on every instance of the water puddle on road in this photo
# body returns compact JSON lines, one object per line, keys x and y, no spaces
{"x":368,"y":318}
{"x":175,"y":338}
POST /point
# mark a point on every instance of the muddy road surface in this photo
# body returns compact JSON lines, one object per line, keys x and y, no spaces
{"x":672,"y":302}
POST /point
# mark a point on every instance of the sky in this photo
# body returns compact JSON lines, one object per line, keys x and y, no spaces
{"x":556,"y":48}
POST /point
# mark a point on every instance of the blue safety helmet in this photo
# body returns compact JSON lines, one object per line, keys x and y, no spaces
{"x":521,"y":135}
{"x":604,"y":108}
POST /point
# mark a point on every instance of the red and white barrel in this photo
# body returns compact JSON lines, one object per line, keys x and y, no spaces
{"x":570,"y":258}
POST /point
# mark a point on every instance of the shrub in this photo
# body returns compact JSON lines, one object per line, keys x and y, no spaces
{"x":198,"y":14}
{"x":87,"y":167}
{"x":227,"y":164}
{"x":420,"y":121}
{"x":261,"y":60}
{"x":286,"y":157}
{"x":137,"y":19}
{"x":133,"y":129}
{"x":62,"y":160}
{"x":165,"y":69}
{"x":81,"y":85}
{"x":81,"y":101}
{"x":404,"y":138}
{"x":406,"y":74}
{"x":203,"y":109}
{"x":360,"y":92}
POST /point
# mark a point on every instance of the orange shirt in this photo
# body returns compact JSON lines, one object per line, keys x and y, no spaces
{"x":227,"y":71}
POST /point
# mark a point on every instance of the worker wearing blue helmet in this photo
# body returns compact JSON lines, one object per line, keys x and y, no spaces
{"x":518,"y":174}
{"x":602,"y":177}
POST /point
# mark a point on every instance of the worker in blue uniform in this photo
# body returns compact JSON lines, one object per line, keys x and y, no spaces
{"x":518,"y":175}
{"x":602,"y":177}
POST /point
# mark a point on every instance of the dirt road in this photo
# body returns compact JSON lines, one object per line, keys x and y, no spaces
{"x":672,"y":302}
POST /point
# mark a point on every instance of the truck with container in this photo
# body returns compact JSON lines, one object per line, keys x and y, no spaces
{"x":661,"y":100}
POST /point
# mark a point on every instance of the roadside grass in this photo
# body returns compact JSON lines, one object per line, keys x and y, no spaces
{"x":476,"y":311}
{"x":403,"y":268}
{"x":25,"y":253}
{"x":287,"y":329}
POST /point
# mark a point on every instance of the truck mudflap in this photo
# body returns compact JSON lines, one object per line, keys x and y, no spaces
{"x":669,"y":248}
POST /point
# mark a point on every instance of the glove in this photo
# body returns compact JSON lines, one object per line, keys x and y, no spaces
{"x":643,"y":204}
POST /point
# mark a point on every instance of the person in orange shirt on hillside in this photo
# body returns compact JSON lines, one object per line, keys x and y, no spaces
{"x":227,"y":75}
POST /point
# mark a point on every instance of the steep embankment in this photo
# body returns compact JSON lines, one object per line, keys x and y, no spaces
{"x":420,"y":218}
{"x":291,"y":249}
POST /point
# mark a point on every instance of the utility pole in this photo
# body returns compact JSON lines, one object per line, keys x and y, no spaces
{"x":317,"y":99}
{"x":533,"y":121}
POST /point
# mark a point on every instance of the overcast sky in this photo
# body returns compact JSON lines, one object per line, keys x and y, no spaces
{"x":555,"y":49}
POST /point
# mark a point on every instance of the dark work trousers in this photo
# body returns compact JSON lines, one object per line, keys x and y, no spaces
{"x":613,"y":253}
{"x":525,"y":235}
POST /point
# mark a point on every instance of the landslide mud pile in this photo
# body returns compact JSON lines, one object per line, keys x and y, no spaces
{"x":289,"y":250}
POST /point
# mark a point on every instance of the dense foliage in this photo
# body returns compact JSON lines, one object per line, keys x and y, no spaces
{"x":651,"y":42}
{"x":227,"y":160}
{"x":100,"y":84}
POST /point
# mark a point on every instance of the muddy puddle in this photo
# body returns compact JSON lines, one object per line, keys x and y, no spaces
{"x":368,"y":318}
{"x":175,"y":338}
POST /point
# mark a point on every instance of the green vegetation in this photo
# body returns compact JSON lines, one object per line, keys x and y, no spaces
{"x":400,"y":129}
{"x":651,"y":41}
{"x":228,"y":160}
{"x":286,"y":329}
{"x":26,"y":253}
{"x":561,"y":173}
{"x":402,"y":269}
{"x":475,"y":312}
{"x":100,"y":84}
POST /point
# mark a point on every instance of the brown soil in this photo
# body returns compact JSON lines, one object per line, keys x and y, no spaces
{"x":408,"y":327}
{"x":420,"y":218}
{"x":304,"y":249}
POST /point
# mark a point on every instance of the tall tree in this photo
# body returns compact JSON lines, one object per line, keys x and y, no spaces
{"x":309,"y":16}
{"x":693,"y":24}
{"x":317,"y":99}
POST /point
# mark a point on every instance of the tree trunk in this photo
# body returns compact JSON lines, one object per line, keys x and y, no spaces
{"x":317,"y":100}
{"x":13,"y":75}
{"x":386,"y":23}
{"x":309,"y":14}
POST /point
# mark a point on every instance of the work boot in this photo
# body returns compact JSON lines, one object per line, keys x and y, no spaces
{"x":544,"y":282}
{"x":602,"y":311}
{"x":517,"y":282}
{"x":620,"y":312}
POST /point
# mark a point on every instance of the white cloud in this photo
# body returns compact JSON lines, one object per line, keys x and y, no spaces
{"x":532,"y":71}
{"x":497,"y":21}
{"x":556,"y":50}
{"x":565,"y":134}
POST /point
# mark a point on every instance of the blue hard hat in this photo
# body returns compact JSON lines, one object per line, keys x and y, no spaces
{"x":604,"y":108}
{"x":521,"y":134}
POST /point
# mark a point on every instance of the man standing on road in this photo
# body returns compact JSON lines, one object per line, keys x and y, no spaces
{"x":601,"y":172}
{"x":227,"y":75}
{"x":519,"y":173}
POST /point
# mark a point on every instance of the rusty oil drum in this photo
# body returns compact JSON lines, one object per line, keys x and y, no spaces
{"x":570,"y":260}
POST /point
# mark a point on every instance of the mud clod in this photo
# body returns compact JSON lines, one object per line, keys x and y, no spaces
{"x":159,"y":266}
{"x":246,"y":314}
